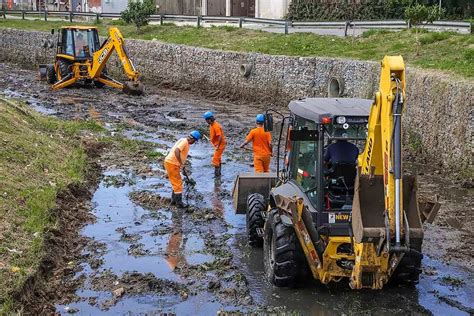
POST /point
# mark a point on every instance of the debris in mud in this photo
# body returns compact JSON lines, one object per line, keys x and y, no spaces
{"x":456,"y":304}
{"x":118,"y":181}
{"x":137,"y":250}
{"x":70,"y":310}
{"x":134,"y":283}
{"x":202,"y":213}
{"x":452,"y":281}
{"x":149,"y":200}
{"x":119,"y":292}
{"x":161,"y":230}
{"x":126,"y":237}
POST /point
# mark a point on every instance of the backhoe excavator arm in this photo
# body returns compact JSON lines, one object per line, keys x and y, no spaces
{"x":115,"y":41}
{"x":382,"y":154}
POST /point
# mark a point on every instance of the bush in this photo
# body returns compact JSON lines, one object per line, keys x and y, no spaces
{"x":138,"y":12}
{"x":420,"y":15}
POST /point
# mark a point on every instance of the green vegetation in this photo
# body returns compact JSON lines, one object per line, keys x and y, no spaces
{"x":419,"y":15}
{"x":445,"y":51}
{"x":370,"y":9}
{"x":39,"y":156}
{"x":138,"y":12}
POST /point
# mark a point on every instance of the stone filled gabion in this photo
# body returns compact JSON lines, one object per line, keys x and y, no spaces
{"x":438,"y":121}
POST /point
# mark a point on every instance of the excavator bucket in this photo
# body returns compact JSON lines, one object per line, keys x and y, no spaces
{"x":368,"y":219}
{"x":42,"y":70}
{"x":133,"y":88}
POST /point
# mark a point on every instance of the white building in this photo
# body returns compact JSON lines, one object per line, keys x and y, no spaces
{"x":271,"y":9}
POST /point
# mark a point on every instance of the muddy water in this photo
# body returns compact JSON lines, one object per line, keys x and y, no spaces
{"x":150,"y":260}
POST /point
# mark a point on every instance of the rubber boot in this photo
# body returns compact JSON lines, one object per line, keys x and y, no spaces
{"x":173,"y":198}
{"x":217,"y":171}
{"x":179,"y":201}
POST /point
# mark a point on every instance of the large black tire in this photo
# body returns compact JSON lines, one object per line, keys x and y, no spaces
{"x":255,"y":206}
{"x":51,"y":75}
{"x":409,"y":269}
{"x":284,"y":261}
{"x":64,"y":67}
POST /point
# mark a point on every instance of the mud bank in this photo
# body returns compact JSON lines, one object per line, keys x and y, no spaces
{"x":62,"y":244}
{"x":439,"y":121}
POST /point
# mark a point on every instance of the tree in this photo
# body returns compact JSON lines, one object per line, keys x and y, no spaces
{"x":420,"y":15}
{"x":138,"y":12}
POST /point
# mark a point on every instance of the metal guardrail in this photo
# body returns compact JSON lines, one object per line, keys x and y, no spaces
{"x":287,"y":24}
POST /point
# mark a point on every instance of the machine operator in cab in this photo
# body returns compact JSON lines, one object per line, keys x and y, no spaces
{"x":174,"y":163}
{"x":341,"y":151}
{"x":262,"y":146}
{"x":217,"y":139}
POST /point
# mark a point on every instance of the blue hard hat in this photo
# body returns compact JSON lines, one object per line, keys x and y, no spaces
{"x":196,"y":135}
{"x":260,"y":118}
{"x":208,"y":115}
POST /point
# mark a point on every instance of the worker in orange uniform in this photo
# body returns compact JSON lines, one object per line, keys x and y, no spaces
{"x":218,"y":140}
{"x":174,"y":163}
{"x":262,"y":146}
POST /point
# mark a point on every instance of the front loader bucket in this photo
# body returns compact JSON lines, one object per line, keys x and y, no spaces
{"x":42,"y":70}
{"x":248,"y":183}
{"x":133,"y":88}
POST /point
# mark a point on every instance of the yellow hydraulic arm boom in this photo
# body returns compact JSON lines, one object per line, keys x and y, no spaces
{"x":382,"y":154}
{"x":115,"y":41}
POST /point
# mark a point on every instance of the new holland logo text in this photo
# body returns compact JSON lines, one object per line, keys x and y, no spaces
{"x":342,"y":217}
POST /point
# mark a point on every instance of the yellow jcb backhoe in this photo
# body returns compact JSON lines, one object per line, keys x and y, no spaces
{"x":80,"y":57}
{"x":355,"y":220}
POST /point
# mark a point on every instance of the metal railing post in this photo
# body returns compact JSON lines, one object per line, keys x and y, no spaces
{"x":199,"y":21}
{"x":4,"y":13}
{"x":45,"y":14}
{"x":241,"y":22}
{"x":162,"y":18}
{"x":286,"y":26}
{"x":70,"y":16}
{"x":22,"y":14}
{"x":97,"y":18}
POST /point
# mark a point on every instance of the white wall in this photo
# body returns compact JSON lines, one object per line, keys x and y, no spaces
{"x":271,"y":9}
{"x":114,"y":6}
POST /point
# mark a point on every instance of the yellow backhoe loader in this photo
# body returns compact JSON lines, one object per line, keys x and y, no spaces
{"x":80,"y":57}
{"x":359,"y":221}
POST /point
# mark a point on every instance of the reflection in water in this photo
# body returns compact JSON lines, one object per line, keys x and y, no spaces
{"x":216,"y":201}
{"x":174,"y":254}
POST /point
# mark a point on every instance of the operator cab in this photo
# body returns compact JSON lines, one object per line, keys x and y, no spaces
{"x":325,"y":138}
{"x":78,"y":42}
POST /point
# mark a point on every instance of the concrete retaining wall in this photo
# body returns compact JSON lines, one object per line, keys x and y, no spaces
{"x":439,"y":118}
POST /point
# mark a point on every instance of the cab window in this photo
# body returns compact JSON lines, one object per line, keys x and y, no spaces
{"x":67,"y":42}
{"x":304,"y":160}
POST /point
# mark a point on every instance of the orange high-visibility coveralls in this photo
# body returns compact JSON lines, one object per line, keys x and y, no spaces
{"x":262,"y":151}
{"x":173,"y":166}
{"x":215,"y":132}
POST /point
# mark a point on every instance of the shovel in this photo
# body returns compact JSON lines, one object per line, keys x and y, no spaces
{"x":189,"y":181}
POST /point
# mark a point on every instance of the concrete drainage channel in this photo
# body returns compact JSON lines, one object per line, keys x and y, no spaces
{"x":143,"y":258}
